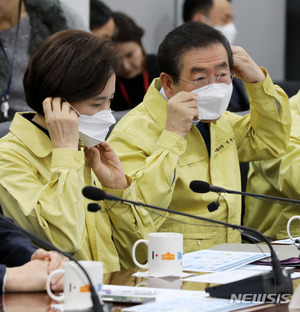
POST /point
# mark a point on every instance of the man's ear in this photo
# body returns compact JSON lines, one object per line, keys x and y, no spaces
{"x":198,"y":17}
{"x":168,"y":84}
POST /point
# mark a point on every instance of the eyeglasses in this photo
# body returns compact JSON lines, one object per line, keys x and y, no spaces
{"x":204,"y":81}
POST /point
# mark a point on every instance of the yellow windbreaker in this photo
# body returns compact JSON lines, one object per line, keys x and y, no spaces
{"x":277,"y":177}
{"x":163,"y":164}
{"x":41,"y":188}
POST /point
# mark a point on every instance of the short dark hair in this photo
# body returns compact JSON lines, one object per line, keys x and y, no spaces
{"x":99,"y":14}
{"x":185,"y":38}
{"x":190,"y":7}
{"x":70,"y":64}
{"x":126,"y":29}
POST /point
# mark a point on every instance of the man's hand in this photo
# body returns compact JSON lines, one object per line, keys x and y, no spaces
{"x":244,"y":67}
{"x":54,"y":261}
{"x":181,"y":110}
{"x":106,"y":165}
{"x":62,"y":123}
{"x":31,"y":276}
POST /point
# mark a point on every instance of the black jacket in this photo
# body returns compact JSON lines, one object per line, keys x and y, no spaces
{"x":15,"y":248}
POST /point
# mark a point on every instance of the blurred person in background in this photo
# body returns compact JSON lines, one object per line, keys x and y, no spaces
{"x":215,"y":13}
{"x":24,"y":24}
{"x":138,"y":69}
{"x":101,"y":20}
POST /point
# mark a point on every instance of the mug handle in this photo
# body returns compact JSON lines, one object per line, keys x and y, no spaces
{"x":142,"y":266}
{"x":288,"y":226}
{"x":49,"y":291}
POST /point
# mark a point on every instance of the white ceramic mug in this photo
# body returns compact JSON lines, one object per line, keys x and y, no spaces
{"x":164,"y":254}
{"x":288,"y":227}
{"x":76,"y":286}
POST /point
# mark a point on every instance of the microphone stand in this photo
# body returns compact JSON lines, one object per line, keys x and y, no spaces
{"x":275,"y":282}
{"x":202,"y":187}
{"x":97,"y":306}
{"x":294,"y":201}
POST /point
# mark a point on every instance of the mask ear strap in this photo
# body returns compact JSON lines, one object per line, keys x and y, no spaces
{"x":76,"y":111}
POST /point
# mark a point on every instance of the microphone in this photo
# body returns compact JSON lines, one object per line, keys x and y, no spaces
{"x":203,"y":187}
{"x":96,"y":194}
{"x":93,"y":207}
{"x":278,"y":281}
{"x":97,"y":306}
{"x":198,"y":186}
{"x":213,"y":206}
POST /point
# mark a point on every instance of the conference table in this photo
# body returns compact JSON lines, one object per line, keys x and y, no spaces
{"x":40,"y":302}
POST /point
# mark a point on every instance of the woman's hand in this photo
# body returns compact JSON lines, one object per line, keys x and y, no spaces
{"x":62,"y":123}
{"x":106,"y":165}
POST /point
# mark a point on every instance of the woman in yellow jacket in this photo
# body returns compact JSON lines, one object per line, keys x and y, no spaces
{"x":69,"y":82}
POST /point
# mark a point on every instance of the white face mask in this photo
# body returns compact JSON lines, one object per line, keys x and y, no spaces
{"x":93,"y":129}
{"x":213,"y":101}
{"x":229,"y":31}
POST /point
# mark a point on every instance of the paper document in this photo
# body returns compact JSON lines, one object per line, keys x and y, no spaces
{"x":218,"y":261}
{"x":230,"y":276}
{"x":236,"y":275}
{"x":146,"y":274}
{"x":185,"y":302}
{"x":285,"y":241}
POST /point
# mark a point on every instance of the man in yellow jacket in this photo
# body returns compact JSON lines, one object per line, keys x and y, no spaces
{"x":163,"y":150}
{"x":277,"y":177}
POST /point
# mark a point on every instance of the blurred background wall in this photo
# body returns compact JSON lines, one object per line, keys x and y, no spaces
{"x":261,"y":27}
